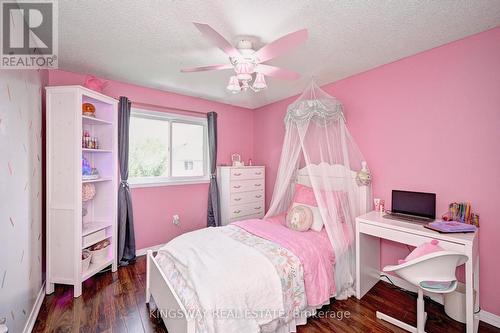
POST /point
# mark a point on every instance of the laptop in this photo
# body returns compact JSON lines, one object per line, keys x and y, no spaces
{"x":417,"y":207}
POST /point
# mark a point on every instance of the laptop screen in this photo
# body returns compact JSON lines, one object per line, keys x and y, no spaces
{"x":414,"y":203}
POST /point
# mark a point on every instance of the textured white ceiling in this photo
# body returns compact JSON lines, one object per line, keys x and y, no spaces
{"x":148,"y":42}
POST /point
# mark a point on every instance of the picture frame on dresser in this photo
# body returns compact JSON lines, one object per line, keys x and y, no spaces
{"x":241,"y":192}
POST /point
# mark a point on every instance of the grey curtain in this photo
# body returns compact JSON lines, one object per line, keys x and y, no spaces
{"x":213,"y":213}
{"x":126,"y":235}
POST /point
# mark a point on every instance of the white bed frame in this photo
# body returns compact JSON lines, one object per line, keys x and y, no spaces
{"x":168,"y":303}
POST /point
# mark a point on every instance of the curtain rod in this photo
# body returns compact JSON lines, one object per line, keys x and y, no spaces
{"x":166,"y":108}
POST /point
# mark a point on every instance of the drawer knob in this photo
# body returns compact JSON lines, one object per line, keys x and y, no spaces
{"x":258,"y":173}
{"x":237,"y":174}
{"x":257,"y":184}
{"x":258,"y":196}
{"x":257,"y":208}
{"x":236,"y":186}
{"x":237,"y":211}
{"x":237,"y":199}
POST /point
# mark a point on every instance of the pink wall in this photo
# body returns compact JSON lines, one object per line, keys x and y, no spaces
{"x":430,"y":122}
{"x":154,"y":206}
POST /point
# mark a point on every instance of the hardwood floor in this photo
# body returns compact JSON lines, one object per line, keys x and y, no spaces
{"x":114,"y":302}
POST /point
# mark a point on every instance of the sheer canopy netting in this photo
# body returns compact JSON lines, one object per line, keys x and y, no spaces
{"x":316,"y":134}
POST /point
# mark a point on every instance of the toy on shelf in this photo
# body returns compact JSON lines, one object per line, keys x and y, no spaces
{"x":88,"y":172}
{"x":88,"y":110}
{"x":88,"y":192}
{"x":89,"y":142}
{"x":461,"y":212}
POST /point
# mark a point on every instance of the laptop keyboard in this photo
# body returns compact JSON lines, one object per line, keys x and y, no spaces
{"x":414,"y":219}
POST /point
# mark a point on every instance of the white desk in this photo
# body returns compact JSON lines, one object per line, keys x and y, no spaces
{"x":372,"y":227}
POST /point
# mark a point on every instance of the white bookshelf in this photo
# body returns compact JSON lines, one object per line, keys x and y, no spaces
{"x":68,"y":233}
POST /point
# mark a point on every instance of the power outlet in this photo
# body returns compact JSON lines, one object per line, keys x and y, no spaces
{"x":176,"y":220}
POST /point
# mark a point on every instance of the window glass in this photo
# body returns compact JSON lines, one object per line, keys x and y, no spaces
{"x":187,"y":150}
{"x":148,"y":152}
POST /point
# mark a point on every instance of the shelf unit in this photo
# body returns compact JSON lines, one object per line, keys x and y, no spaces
{"x":97,"y":180}
{"x":89,"y":150}
{"x":68,"y":232}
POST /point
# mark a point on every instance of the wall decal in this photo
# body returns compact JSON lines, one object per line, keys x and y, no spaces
{"x":8,"y":93}
{"x":20,"y":204}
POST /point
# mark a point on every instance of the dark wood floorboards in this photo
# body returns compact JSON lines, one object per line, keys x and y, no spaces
{"x":114,"y":302}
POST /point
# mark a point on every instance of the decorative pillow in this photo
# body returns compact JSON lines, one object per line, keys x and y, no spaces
{"x":317,"y":220}
{"x":299,"y":218}
{"x":304,"y":195}
{"x":422,"y":250}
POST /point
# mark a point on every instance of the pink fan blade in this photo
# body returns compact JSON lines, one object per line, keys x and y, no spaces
{"x":206,"y":68}
{"x":217,"y":39}
{"x":276,"y":72}
{"x":281,"y":45}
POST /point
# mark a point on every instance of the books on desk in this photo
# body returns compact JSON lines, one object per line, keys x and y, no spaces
{"x":450,"y":227}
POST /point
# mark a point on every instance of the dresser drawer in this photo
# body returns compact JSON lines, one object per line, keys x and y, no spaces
{"x":245,"y":210}
{"x":248,"y":217}
{"x":240,"y":198}
{"x":246,"y":185}
{"x":247,"y":173}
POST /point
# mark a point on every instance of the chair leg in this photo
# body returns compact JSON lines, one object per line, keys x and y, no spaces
{"x":396,"y":322}
{"x":421,"y":314}
{"x":421,"y":317}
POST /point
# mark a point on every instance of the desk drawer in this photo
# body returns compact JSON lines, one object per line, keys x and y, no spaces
{"x":406,"y":237}
{"x":247,"y":185}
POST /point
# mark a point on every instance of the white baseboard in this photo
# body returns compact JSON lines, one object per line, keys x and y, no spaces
{"x":145,"y":250}
{"x":490,"y":318}
{"x":485,"y":316}
{"x":34,"y":311}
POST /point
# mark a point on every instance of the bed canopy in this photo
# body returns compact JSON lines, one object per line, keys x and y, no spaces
{"x":317,"y":135}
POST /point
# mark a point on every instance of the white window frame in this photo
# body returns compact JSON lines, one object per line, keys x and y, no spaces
{"x":171,"y":180}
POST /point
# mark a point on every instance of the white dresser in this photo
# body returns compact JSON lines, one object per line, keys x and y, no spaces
{"x":241,"y":191}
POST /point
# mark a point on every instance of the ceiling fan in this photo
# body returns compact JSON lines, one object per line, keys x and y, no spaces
{"x":246,"y":61}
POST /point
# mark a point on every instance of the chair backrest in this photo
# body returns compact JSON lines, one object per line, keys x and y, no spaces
{"x":438,"y":266}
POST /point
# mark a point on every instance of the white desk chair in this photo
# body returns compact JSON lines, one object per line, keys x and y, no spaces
{"x":424,"y":272}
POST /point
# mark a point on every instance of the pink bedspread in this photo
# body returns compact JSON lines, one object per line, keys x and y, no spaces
{"x":312,"y":248}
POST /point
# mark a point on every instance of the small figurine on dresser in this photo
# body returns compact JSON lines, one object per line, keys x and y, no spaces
{"x":236,"y":159}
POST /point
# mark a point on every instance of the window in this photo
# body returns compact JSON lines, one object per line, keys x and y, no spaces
{"x":167,"y":149}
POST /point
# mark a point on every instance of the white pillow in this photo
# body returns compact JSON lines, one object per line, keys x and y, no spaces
{"x":317,"y":223}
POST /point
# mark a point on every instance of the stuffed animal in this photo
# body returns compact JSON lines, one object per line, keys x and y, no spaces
{"x":422,"y":250}
{"x":94,"y":83}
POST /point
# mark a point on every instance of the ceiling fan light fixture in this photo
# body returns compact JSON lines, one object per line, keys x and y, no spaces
{"x":260,"y":82}
{"x":234,"y":85}
{"x":244,"y":71}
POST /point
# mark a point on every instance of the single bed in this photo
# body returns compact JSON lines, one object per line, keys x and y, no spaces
{"x":267,"y":277}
